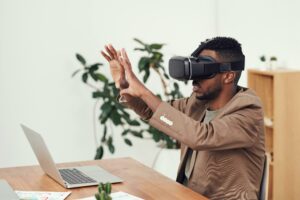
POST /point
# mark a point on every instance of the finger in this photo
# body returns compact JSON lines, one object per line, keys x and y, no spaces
{"x":124,"y":92}
{"x":125,"y":68}
{"x":117,"y":84}
{"x":126,"y":61}
{"x":121,"y":60}
{"x":122,"y":70}
{"x":113,"y":50}
{"x":109,"y":52}
{"x":105,"y":56}
{"x":125,"y":56}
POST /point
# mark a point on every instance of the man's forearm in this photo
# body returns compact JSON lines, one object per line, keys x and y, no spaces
{"x":150,"y":99}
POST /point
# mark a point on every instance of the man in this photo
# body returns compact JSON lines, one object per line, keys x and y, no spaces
{"x":220,"y":126}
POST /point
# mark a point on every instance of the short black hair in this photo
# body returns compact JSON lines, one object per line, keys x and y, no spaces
{"x":227,"y":48}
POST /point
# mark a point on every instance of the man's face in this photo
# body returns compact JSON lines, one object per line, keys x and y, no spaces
{"x":208,"y":89}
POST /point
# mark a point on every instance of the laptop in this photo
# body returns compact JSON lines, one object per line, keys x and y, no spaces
{"x":70,"y":177}
{"x":6,"y":192}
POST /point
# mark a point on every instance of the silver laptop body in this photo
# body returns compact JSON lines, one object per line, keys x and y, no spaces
{"x":87,"y":175}
{"x":6,"y":192}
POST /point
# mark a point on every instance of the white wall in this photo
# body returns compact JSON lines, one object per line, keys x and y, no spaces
{"x":38,"y":41}
{"x":268,"y":27}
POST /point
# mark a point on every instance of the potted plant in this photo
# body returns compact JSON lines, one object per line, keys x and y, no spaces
{"x":112,"y":113}
{"x":269,"y":63}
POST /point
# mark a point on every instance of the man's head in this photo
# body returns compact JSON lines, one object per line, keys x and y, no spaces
{"x":221,"y":49}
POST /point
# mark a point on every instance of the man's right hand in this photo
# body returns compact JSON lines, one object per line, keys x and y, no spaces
{"x":116,"y":69}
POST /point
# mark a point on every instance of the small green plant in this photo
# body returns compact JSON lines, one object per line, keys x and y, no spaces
{"x":104,"y":191}
{"x":268,"y":62}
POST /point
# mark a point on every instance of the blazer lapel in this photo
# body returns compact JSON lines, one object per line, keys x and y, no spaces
{"x":193,"y":159}
{"x":180,"y":174}
{"x":194,"y":110}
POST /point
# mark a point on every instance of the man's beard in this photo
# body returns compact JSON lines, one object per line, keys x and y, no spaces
{"x":210,"y":95}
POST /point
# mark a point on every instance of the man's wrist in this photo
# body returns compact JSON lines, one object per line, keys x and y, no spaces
{"x":145,"y":93}
{"x":150,"y":99}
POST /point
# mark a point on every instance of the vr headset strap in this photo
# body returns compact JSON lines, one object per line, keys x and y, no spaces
{"x":210,"y":68}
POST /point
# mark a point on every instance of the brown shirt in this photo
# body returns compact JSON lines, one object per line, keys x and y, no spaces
{"x":230,"y":148}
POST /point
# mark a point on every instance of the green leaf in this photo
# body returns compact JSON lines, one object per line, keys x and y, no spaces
{"x":146,"y":76}
{"x":103,"y":139}
{"x":156,"y":135}
{"x":106,"y":107}
{"x":171,"y":143}
{"x":93,"y":76}
{"x":93,"y":68}
{"x":74,"y":73}
{"x":85,"y":77}
{"x":176,"y":86}
{"x":273,"y":58}
{"x":262,"y":58}
{"x":128,"y":142}
{"x":107,"y":188}
{"x":99,"y":153}
{"x":134,"y":123}
{"x":115,"y":117}
{"x":156,"y":46}
{"x":80,"y":59}
{"x":97,"y":196}
{"x":166,"y":76}
{"x":139,"y":41}
{"x":125,"y":132}
{"x":101,"y":77}
{"x":144,"y":63}
{"x":106,"y":110}
{"x":136,"y":134}
{"x":110,"y":140}
{"x":111,"y":147}
{"x":98,"y":77}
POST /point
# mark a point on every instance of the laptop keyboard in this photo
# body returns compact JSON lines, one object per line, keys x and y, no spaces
{"x":74,"y":176}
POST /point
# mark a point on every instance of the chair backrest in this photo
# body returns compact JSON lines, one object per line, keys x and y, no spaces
{"x":264,"y":186}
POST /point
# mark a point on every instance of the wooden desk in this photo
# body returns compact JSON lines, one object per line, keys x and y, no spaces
{"x":139,"y":180}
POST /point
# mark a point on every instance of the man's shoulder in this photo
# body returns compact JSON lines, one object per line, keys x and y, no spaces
{"x":245,"y":98}
{"x":248,"y":94}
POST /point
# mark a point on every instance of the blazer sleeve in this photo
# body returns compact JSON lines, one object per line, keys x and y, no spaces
{"x":142,"y":109}
{"x":238,"y":129}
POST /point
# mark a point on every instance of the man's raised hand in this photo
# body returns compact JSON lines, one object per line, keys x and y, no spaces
{"x":116,"y":69}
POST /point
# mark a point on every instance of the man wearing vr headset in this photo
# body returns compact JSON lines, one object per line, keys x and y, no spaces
{"x":220,"y":126}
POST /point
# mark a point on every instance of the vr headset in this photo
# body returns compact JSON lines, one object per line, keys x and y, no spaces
{"x":198,"y":67}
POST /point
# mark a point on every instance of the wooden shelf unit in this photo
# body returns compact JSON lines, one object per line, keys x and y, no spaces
{"x":279,"y":91}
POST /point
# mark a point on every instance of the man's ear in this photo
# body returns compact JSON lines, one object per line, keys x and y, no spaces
{"x":229,"y":77}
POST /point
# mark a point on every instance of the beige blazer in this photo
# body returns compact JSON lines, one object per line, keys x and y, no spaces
{"x":230,"y":148}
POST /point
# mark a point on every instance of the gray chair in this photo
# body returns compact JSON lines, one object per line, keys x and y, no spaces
{"x":264,"y":186}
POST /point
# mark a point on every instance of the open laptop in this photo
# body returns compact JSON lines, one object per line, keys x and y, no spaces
{"x":6,"y":192}
{"x":70,"y":177}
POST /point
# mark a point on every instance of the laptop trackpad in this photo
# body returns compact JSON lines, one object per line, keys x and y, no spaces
{"x":99,"y":174}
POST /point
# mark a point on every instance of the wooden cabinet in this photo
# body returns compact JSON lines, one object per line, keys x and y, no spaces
{"x":279,"y":91}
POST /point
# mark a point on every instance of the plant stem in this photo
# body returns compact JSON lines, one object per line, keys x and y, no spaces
{"x":163,"y":82}
{"x":92,"y":86}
